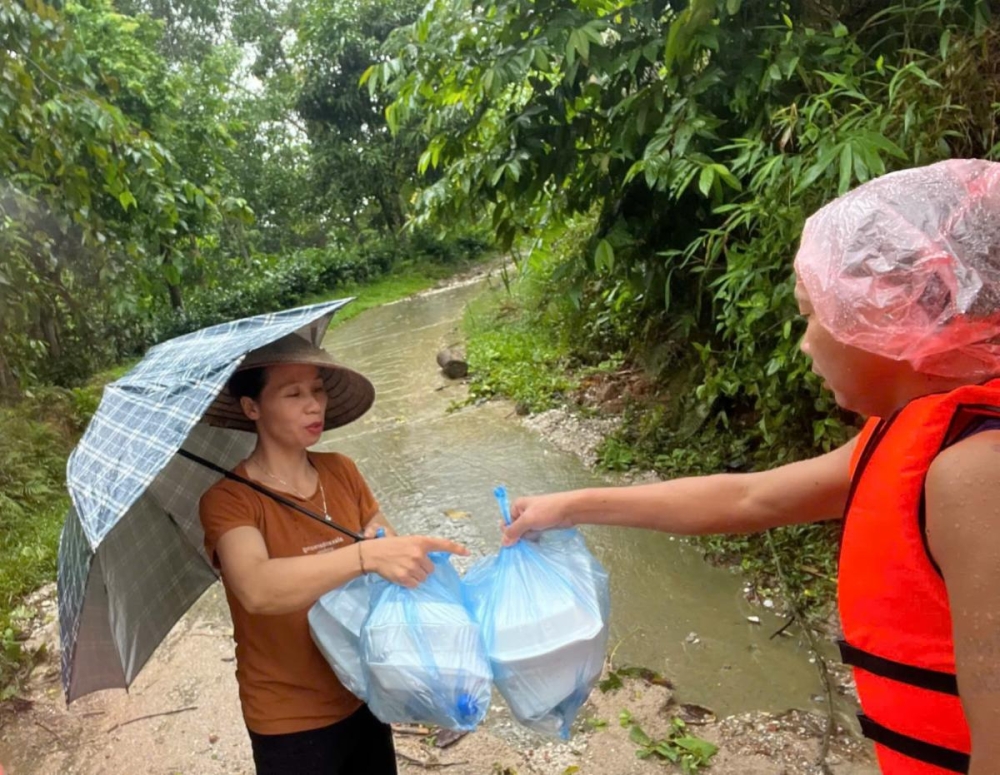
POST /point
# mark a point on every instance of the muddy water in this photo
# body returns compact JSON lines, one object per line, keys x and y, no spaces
{"x":434,"y":470}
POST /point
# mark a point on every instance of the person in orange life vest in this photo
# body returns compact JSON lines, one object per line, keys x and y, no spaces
{"x":276,"y":563}
{"x":899,"y":281}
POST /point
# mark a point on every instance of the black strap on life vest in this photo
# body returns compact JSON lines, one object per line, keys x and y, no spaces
{"x":928,"y":753}
{"x":921,"y":677}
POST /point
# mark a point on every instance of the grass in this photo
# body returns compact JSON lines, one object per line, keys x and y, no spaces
{"x":514,"y":355}
{"x":402,"y":282}
{"x":38,"y":434}
{"x":27,"y":561}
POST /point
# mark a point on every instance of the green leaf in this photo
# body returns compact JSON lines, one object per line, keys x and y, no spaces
{"x":604,"y":256}
{"x":171,"y":274}
{"x":665,"y":749}
{"x":639,"y":737}
{"x":846,"y":160}
{"x":943,"y":45}
{"x":706,"y":179}
{"x":727,"y":177}
{"x":369,"y":75}
{"x":818,"y":168}
{"x":611,"y":683}
{"x":581,"y":44}
{"x":701,"y":748}
{"x":883,"y":143}
{"x":127,"y":200}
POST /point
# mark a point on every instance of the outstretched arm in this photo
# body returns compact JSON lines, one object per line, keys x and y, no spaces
{"x":807,"y":491}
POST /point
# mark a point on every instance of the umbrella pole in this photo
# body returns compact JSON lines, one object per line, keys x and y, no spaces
{"x":269,"y":493}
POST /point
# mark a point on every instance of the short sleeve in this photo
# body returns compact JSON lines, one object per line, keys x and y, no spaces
{"x":223,"y":508}
{"x":367,"y":504}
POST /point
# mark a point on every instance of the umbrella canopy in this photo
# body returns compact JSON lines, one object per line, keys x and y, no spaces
{"x":131,"y":555}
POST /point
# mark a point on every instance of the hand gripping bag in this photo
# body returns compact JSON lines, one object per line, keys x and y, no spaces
{"x":543,"y":607}
{"x":423,"y":656}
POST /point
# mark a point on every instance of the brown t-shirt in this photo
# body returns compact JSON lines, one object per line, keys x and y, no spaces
{"x":285,"y":683}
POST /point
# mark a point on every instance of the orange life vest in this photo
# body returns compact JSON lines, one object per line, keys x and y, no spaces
{"x":892,"y":598}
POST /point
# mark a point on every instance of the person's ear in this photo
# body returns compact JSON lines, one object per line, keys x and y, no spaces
{"x":250,"y":408}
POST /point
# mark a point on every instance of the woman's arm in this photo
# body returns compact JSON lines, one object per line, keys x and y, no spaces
{"x":281,"y":585}
{"x":963,"y":532}
{"x":808,"y":491}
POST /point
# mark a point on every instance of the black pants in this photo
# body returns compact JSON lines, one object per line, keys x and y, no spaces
{"x":358,"y":745}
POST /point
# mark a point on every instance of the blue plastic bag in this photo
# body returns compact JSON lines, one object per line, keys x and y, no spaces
{"x":335,"y":623}
{"x":543,"y":607}
{"x":422,"y":655}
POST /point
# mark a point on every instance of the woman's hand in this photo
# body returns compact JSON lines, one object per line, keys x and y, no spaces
{"x":378,"y":522}
{"x":403,"y":560}
{"x":538,"y":512}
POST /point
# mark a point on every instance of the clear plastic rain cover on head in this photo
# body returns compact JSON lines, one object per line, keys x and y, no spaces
{"x":423,"y":656}
{"x":543,"y":607}
{"x":907,"y":266}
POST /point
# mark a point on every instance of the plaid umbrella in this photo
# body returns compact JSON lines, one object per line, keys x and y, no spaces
{"x":131,"y":555}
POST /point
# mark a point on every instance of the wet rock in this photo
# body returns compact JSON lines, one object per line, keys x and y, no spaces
{"x":695,"y":715}
{"x":453,"y":363}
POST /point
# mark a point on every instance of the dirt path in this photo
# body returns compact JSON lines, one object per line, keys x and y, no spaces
{"x":182,"y":716}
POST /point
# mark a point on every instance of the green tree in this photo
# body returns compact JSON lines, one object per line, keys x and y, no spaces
{"x":362,"y":172}
{"x":96,"y":208}
{"x":698,"y":135}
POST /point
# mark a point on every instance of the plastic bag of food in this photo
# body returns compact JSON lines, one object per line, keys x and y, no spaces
{"x":543,"y":607}
{"x":335,"y":622}
{"x":422,"y":655}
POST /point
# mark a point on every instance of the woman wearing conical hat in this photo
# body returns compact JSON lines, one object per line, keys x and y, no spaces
{"x":275,"y":562}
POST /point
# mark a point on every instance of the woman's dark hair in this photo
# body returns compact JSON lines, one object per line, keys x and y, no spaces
{"x":248,"y":382}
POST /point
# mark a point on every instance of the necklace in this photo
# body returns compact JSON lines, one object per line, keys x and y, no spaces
{"x":286,"y":485}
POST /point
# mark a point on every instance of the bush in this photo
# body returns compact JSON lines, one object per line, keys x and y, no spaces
{"x":265,"y":283}
{"x":37,"y":435}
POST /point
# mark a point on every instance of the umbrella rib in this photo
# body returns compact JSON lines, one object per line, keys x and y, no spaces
{"x":269,"y":493}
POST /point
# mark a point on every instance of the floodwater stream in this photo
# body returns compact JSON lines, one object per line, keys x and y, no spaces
{"x":434,"y":467}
